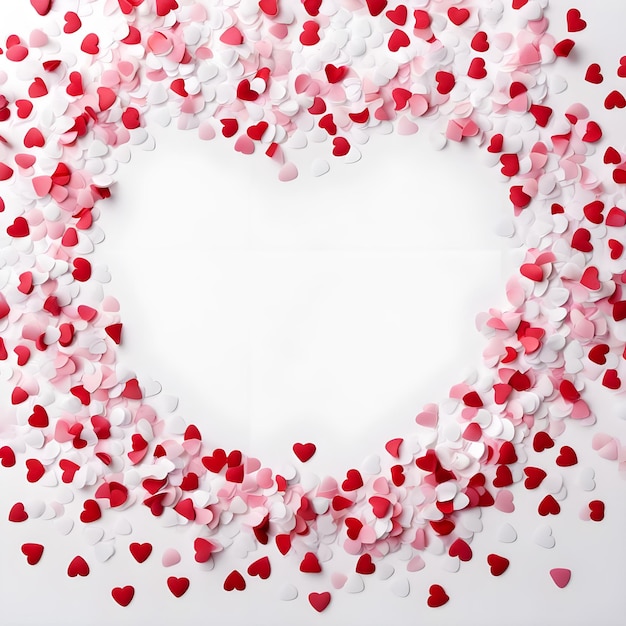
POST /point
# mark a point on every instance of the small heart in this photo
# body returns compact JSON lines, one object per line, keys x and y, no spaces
{"x":398,"y":39}
{"x":42,"y":6}
{"x":581,"y":240}
{"x":461,"y":549}
{"x":78,"y":567}
{"x":234,"y":581}
{"x":341,"y":147}
{"x":621,"y":70}
{"x":335,"y":74}
{"x":445,"y":82}
{"x":437,"y":596}
{"x":549,"y":506}
{"x":477,"y":69}
{"x":561,"y":576}
{"x":163,"y":7}
{"x":18,"y":513}
{"x":91,"y":44}
{"x":319,"y":601}
{"x":594,"y":74}
{"x":304,"y":451}
{"x":398,"y":15}
{"x":178,"y":586}
{"x":261,"y":568}
{"x":123,"y":595}
{"x":564,"y":47}
{"x":310,"y":33}
{"x":91,"y":512}
{"x":480,"y":42}
{"x":36,"y":470}
{"x":575,"y":23}
{"x":7,"y":456}
{"x":596,"y":510}
{"x":535,"y":476}
{"x":140,"y":551}
{"x":458,"y":16}
{"x":567,"y":457}
{"x":310,"y":564}
{"x":33,"y":552}
{"x":72,"y":22}
{"x":615,"y":100}
{"x":498,"y":564}
{"x":365,"y":565}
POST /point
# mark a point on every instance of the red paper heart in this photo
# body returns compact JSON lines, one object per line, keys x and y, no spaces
{"x":35,"y":470}
{"x":312,"y":7}
{"x":380,"y":506}
{"x":616,"y":248}
{"x":398,"y":39}
{"x":498,"y":564}
{"x":549,"y":506}
{"x":480,"y":43}
{"x":319,"y":601}
{"x":581,"y":240}
{"x":621,"y":70}
{"x":42,"y":6}
{"x":594,"y":74}
{"x":69,"y":469}
{"x":477,"y":71}
{"x":561,"y":576}
{"x":567,"y":457}
{"x":178,"y":586}
{"x":91,"y":44}
{"x":72,"y":22}
{"x":437,"y":596}
{"x":269,"y":7}
{"x":304,"y":451}
{"x":593,"y":132}
{"x":261,"y":568}
{"x":574,"y":21}
{"x":91,"y":512}
{"x":34,"y":138}
{"x":535,"y":476}
{"x":615,"y":100}
{"x":354,"y":527}
{"x":37,"y":88}
{"x":353,"y":480}
{"x":310,"y":33}
{"x":163,"y":7}
{"x":203,"y":549}
{"x":123,"y":595}
{"x":140,"y":551}
{"x":131,"y":118}
{"x":398,"y":15}
{"x":365,"y":565}
{"x":611,"y":380}
{"x":310,"y":564}
{"x":18,"y":513}
{"x":564,"y":47}
{"x":234,"y":580}
{"x":422,"y":19}
{"x":341,"y":147}
{"x":596,"y":510}
{"x":78,"y":567}
{"x":503,"y":478}
{"x":33,"y":552}
{"x":376,"y":7}
{"x":445,"y":82}
{"x":458,"y":16}
{"x":460,"y":548}
{"x":335,"y":74}
{"x":39,"y":417}
{"x":7,"y":456}
{"x":24,"y":108}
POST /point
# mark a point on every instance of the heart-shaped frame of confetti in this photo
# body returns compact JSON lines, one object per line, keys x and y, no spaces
{"x":259,"y":73}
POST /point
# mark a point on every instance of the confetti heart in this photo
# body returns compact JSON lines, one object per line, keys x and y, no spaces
{"x":18,"y":513}
{"x":33,"y":552}
{"x":310,"y":564}
{"x":42,"y":6}
{"x":261,"y":568}
{"x":304,"y":451}
{"x":36,"y":470}
{"x":567,"y":457}
{"x":549,"y":506}
{"x":234,"y":581}
{"x":615,"y":100}
{"x":458,"y":16}
{"x":91,"y":44}
{"x":575,"y":23}
{"x":596,"y":510}
{"x":561,"y":576}
{"x":320,"y":601}
{"x":178,"y":586}
{"x":140,"y":551}
{"x":594,"y":74}
{"x":78,"y":567}
{"x":123,"y":595}
{"x":497,"y":564}
{"x":535,"y":476}
{"x":72,"y":23}
{"x":437,"y":596}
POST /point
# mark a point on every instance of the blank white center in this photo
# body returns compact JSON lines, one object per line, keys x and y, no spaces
{"x":325,"y":309}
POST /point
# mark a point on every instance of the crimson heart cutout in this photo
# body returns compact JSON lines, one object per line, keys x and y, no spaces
{"x":596,"y":510}
{"x":549,"y":506}
{"x":234,"y":581}
{"x":123,"y":595}
{"x":480,"y":43}
{"x":398,"y":15}
{"x":398,"y":39}
{"x":615,"y":100}
{"x":163,"y":7}
{"x":458,"y":16}
{"x":334,"y":73}
{"x":319,"y":601}
{"x":261,"y":568}
{"x":91,"y":512}
{"x":445,"y":82}
{"x":310,"y":564}
{"x":18,"y":513}
{"x":78,"y":567}
{"x":460,"y":548}
{"x":42,"y":6}
{"x":140,"y":551}
{"x":310,"y":33}
{"x":567,"y":457}
{"x":353,"y":480}
{"x":304,"y":451}
{"x":535,"y":476}
{"x":91,"y":44}
{"x":33,"y":552}
{"x":594,"y":74}
{"x":437,"y":596}
{"x":35,"y":470}
{"x":72,"y":22}
{"x":178,"y":586}
{"x":269,"y":7}
{"x":575,"y":23}
{"x":365,"y":565}
{"x":7,"y":456}
{"x":497,"y":564}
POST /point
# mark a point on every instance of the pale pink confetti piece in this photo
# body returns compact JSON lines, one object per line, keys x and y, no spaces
{"x":170,"y":557}
{"x":288,"y":172}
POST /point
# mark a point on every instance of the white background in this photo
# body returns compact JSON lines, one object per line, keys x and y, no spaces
{"x":326,"y":310}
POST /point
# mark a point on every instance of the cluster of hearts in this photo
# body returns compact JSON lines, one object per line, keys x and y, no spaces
{"x":273,"y":76}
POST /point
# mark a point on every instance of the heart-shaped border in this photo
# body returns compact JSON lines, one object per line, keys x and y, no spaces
{"x":259,"y":77}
